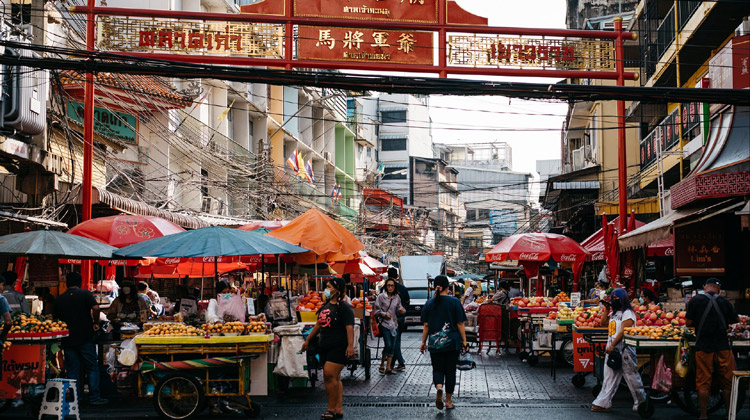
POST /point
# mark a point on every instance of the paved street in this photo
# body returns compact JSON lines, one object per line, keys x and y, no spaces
{"x":500,"y":388}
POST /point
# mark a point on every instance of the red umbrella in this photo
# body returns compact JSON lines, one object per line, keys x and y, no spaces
{"x":264,"y":224}
{"x":123,"y":229}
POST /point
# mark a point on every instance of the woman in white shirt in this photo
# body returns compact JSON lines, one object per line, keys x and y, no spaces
{"x":622,"y":316}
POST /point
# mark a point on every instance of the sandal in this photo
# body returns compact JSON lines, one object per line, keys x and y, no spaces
{"x":450,"y":406}
{"x":328,"y":415}
{"x":439,"y":399}
{"x":382,"y":371}
{"x":598,"y":409}
{"x":390,"y":372}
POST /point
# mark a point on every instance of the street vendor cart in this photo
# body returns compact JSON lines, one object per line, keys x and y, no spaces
{"x":180,"y":373}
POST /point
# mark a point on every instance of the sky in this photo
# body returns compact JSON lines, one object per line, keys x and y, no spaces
{"x":482,"y":119}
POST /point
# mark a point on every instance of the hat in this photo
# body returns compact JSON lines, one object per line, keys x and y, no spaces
{"x":473,"y":284}
{"x":713,"y":280}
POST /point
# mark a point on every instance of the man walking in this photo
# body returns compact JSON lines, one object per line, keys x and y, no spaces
{"x":78,"y":308}
{"x":710,"y":314}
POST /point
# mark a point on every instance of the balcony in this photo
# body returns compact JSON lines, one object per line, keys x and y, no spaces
{"x":665,"y":33}
{"x":204,"y":137}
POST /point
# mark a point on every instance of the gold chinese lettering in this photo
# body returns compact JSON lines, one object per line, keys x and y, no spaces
{"x":353,"y":39}
{"x":406,"y":43}
{"x":325,"y":39}
{"x":381,"y":40}
{"x":414,"y":1}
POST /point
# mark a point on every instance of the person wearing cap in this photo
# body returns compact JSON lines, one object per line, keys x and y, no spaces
{"x":710,"y":314}
{"x":469,"y":294}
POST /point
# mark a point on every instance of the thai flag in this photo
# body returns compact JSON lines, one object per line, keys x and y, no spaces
{"x":333,"y":192}
{"x":338,"y":193}
{"x":292,"y":161}
{"x":309,"y":171}
{"x":301,"y":165}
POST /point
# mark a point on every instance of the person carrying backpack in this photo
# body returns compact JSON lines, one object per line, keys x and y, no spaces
{"x":710,"y":314}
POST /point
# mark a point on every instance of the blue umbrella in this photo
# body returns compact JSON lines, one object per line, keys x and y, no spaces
{"x":54,"y":244}
{"x":209,"y":242}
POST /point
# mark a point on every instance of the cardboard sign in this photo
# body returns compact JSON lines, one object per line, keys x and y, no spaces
{"x":22,"y":364}
{"x":575,"y":299}
{"x":583,"y":355}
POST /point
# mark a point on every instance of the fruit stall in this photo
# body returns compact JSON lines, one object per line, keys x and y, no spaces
{"x":31,"y":342}
{"x":535,"y":339}
{"x":182,"y":365}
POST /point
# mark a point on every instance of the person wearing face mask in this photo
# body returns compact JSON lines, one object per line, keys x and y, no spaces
{"x":620,"y":317}
{"x":335,"y":332}
{"x":213,"y":314}
{"x":128,"y":306}
{"x":648,"y":297}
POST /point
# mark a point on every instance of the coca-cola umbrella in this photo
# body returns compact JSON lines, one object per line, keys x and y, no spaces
{"x":531,"y":250}
{"x":124,"y":229}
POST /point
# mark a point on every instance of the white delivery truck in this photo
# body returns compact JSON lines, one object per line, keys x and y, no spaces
{"x":416,"y":273}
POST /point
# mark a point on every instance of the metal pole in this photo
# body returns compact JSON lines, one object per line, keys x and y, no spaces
{"x":88,"y":141}
{"x":622,"y":170}
{"x":679,"y":82}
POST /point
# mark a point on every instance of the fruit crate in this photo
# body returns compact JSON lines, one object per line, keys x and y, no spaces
{"x":565,"y":321}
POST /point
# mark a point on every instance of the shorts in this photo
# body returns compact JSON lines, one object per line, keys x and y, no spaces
{"x":705,"y":363}
{"x":332,"y":354}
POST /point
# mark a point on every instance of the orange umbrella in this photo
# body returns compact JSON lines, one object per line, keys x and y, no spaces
{"x":327,"y":239}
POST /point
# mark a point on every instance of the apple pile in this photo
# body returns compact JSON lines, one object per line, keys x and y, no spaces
{"x":654,"y":316}
{"x":741,"y":329}
{"x":587,"y":317}
{"x":311,"y":302}
{"x":533,"y":302}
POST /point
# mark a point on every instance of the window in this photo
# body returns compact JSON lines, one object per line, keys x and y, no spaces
{"x":369,"y":151}
{"x":395,"y":173}
{"x":390,"y":117}
{"x":390,"y":145}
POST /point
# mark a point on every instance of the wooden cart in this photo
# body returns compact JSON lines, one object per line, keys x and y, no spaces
{"x":181,"y":372}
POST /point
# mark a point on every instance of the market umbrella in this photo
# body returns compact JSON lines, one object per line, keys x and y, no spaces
{"x":123,"y":229}
{"x":328,"y":240}
{"x":374,"y":265}
{"x":264,"y":224}
{"x":532,"y":250}
{"x":55,"y":244}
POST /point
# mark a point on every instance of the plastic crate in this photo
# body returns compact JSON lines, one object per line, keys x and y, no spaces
{"x":307,"y":316}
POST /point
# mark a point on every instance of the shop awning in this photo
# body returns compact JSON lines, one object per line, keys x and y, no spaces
{"x":576,"y":185}
{"x":661,"y":229}
{"x":5,"y":215}
{"x":131,"y":206}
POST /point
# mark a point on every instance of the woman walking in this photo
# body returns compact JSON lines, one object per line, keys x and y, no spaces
{"x":335,"y":328}
{"x":386,"y":310}
{"x":621,"y":317}
{"x":444,"y":336}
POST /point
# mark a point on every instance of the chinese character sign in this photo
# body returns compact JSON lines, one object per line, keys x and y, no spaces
{"x":699,"y":248}
{"x":365,"y":45}
{"x":423,"y":11}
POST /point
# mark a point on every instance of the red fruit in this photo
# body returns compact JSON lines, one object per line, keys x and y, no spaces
{"x":653,"y":317}
{"x":681,"y":314}
{"x":681,"y":321}
{"x":640,"y":323}
{"x":670,"y":315}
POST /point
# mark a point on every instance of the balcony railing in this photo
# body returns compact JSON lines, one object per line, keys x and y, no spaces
{"x":665,"y":33}
{"x":687,"y":9}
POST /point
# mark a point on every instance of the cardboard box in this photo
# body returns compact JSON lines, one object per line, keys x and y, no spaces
{"x":359,"y":313}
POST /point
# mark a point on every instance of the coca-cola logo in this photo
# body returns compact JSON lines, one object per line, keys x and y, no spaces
{"x":597,"y":256}
{"x":568,"y":257}
{"x":171,"y":260}
{"x":669,"y":251}
{"x":529,"y":256}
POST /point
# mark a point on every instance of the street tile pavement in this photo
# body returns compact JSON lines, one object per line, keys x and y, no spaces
{"x":497,"y":377}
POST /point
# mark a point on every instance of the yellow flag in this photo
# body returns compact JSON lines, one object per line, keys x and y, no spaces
{"x":224,"y":114}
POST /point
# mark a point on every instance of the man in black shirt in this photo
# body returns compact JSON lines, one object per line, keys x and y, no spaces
{"x":710,"y":314}
{"x":78,"y":308}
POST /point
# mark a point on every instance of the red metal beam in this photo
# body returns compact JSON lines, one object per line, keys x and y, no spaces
{"x":246,"y":17}
{"x":622,"y":170}
{"x":88,"y":142}
{"x":409,"y":68}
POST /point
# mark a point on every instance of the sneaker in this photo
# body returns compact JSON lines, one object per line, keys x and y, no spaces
{"x":99,"y":401}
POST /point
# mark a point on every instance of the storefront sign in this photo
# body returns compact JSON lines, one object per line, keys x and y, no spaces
{"x":22,"y":364}
{"x":120,"y":127}
{"x":365,"y":45}
{"x":583,"y":353}
{"x":700,"y":248}
{"x":193,"y":37}
{"x":424,"y":11}
{"x":496,"y":51}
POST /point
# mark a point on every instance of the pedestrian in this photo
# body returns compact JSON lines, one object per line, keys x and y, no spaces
{"x":403,"y":293}
{"x":16,"y":299}
{"x":469,"y":294}
{"x":7,"y":321}
{"x":79,"y":310}
{"x":335,"y":331}
{"x":621,"y":316}
{"x":502,"y":297}
{"x":386,"y":309}
{"x":443,"y":320}
{"x":710,"y":314}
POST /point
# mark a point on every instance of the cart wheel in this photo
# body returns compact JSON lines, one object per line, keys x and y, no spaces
{"x":523,"y":355}
{"x":578,"y":380}
{"x":646,"y":409}
{"x":367,"y":363}
{"x":715,"y":401}
{"x":533,"y":360}
{"x":253,"y":411}
{"x":565,"y":353}
{"x":596,"y":390}
{"x":179,"y":397}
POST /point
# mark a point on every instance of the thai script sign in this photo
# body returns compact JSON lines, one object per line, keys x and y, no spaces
{"x":583,"y":353}
{"x":21,"y":364}
{"x":117,"y":125}
{"x":499,"y":51}
{"x":423,"y":11}
{"x":365,"y":45}
{"x":194,"y":37}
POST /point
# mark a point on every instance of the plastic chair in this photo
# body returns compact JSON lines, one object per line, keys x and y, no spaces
{"x":60,"y":399}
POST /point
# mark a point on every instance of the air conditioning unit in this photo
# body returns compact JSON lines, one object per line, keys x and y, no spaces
{"x":578,"y":159}
{"x":206,"y":204}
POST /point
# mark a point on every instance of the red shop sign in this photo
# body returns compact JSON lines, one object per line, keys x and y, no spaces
{"x":22,"y":364}
{"x":583,"y":355}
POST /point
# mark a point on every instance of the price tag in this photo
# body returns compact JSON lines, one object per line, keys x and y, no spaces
{"x":575,"y":299}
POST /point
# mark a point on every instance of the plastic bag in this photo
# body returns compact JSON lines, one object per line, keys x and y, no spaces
{"x":662,"y":377}
{"x":291,"y":361}
{"x":129,"y":353}
{"x":682,"y":358}
{"x":465,"y":361}
{"x":230,"y":307}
